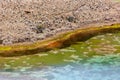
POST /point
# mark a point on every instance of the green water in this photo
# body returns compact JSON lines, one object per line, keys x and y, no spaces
{"x":102,"y":49}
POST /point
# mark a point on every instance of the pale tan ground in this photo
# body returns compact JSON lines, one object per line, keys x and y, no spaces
{"x":32,"y":20}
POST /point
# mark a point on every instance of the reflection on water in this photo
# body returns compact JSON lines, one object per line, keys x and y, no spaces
{"x":95,"y":59}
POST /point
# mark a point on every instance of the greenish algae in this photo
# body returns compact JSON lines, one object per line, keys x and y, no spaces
{"x":101,"y":49}
{"x":62,"y":40}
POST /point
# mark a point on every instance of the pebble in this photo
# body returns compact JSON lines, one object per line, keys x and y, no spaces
{"x":19,"y":19}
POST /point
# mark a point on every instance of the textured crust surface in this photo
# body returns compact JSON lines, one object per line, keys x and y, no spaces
{"x":33,"y":20}
{"x":60,"y":41}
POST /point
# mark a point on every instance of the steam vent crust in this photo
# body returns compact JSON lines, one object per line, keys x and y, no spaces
{"x":41,"y":25}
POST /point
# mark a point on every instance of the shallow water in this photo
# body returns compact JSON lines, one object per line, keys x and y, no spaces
{"x":96,"y":58}
{"x":66,"y":73}
{"x":96,"y":68}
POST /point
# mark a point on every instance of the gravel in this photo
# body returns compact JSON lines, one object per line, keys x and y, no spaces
{"x":33,"y":20}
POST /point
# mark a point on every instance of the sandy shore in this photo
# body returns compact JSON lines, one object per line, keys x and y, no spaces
{"x":30,"y":21}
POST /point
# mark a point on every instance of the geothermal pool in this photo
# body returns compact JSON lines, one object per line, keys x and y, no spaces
{"x":97,"y":58}
{"x":68,"y":72}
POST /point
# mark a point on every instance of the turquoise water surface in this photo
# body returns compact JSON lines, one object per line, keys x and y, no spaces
{"x":95,"y":59}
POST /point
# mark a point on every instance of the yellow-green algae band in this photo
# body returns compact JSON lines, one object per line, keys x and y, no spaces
{"x":62,"y":40}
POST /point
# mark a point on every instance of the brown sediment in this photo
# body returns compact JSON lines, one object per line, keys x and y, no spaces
{"x":29,"y":27}
{"x":60,"y":41}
